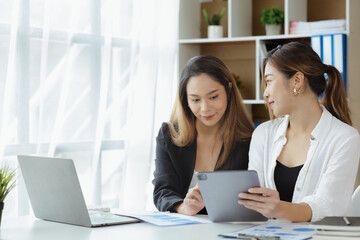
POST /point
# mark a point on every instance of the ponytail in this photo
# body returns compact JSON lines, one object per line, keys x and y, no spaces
{"x":335,"y":100}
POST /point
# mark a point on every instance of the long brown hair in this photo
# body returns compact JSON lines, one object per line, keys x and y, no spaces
{"x":235,"y":125}
{"x":300,"y":57}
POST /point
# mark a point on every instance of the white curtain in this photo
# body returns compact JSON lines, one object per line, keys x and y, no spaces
{"x":90,"y":80}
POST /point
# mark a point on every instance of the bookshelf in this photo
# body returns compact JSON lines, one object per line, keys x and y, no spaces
{"x":240,"y":48}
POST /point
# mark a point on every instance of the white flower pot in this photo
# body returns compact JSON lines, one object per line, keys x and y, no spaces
{"x":272,"y":29}
{"x":215,"y":31}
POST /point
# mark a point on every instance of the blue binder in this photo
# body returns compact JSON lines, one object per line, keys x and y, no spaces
{"x":316,"y":44}
{"x":339,"y":54}
{"x":327,"y":50}
{"x":333,"y":51}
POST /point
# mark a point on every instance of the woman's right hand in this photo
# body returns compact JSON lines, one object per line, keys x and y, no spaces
{"x":192,"y":203}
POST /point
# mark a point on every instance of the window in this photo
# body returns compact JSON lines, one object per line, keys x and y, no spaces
{"x":75,"y":79}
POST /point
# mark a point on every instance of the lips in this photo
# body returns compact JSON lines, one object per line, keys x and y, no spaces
{"x":208,"y":117}
{"x":270,"y":103}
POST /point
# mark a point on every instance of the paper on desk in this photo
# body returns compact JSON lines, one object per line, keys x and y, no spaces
{"x":165,"y":218}
{"x":285,"y":231}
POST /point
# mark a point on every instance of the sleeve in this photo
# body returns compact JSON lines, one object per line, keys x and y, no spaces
{"x":167,"y":190}
{"x":256,"y":152}
{"x":335,"y":188}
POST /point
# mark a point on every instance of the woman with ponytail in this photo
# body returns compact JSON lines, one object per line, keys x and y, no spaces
{"x":307,"y":156}
{"x":209,"y":129}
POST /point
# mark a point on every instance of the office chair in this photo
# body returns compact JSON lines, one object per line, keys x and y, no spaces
{"x":355,"y":202}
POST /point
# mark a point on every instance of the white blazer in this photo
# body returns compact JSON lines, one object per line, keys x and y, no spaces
{"x":326,"y":181}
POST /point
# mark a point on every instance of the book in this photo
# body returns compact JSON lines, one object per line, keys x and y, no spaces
{"x":338,"y":233}
{"x":300,"y":27}
{"x":337,"y":228}
{"x":337,"y":224}
{"x":327,"y":237}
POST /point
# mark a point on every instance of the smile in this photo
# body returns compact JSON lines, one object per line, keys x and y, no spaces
{"x":270,"y":103}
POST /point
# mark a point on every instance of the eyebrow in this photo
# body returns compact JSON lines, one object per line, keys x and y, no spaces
{"x":195,"y":95}
{"x":267,"y":75}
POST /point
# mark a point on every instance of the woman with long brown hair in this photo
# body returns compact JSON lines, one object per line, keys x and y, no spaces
{"x":307,"y":156}
{"x":209,"y":130}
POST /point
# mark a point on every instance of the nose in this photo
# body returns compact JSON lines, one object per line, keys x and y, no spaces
{"x":204,"y":106}
{"x":266,"y":93}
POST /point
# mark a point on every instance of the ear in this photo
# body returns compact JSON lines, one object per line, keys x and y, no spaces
{"x":298,"y":80}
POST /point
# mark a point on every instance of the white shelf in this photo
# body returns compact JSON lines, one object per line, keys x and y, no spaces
{"x":253,"y":38}
{"x":218,"y":40}
{"x":240,"y":49}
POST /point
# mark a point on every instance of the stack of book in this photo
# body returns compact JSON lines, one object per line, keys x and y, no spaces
{"x":346,"y":228}
{"x":299,"y":27}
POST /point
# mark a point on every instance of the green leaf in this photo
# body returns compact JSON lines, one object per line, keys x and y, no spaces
{"x":215,"y":20}
{"x":207,"y":19}
{"x":222,"y":12}
{"x":272,"y":16}
{"x":7,"y":181}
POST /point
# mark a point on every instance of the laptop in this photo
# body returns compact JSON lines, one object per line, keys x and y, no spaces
{"x":220,"y":190}
{"x":55,"y":193}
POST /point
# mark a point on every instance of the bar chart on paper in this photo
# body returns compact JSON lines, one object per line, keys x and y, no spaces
{"x":285,"y":231}
{"x":164,"y":218}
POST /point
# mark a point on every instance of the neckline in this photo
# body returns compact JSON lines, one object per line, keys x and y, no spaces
{"x":284,"y":166}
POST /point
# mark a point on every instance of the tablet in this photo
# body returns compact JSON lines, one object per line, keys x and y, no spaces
{"x":220,"y":190}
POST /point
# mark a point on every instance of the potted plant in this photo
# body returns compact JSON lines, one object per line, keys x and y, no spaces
{"x":272,"y":19}
{"x":215,"y":30}
{"x":7,"y":183}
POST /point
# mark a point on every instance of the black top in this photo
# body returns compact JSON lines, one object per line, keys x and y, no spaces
{"x":174,"y":168}
{"x":285,"y":180}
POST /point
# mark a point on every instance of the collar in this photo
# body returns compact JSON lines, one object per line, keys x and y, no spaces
{"x":319,"y":132}
{"x":281,"y":130}
{"x":323,"y":126}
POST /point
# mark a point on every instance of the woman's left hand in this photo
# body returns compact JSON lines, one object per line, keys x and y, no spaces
{"x":263,"y":200}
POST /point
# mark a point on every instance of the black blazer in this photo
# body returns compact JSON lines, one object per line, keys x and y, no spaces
{"x":174,"y":168}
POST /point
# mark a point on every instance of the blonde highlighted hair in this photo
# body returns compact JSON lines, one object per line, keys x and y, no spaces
{"x":235,"y":124}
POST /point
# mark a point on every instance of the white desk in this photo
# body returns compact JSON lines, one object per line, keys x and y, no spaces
{"x":30,"y":228}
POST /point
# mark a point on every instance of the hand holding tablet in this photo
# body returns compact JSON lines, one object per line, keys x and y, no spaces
{"x":220,"y":192}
